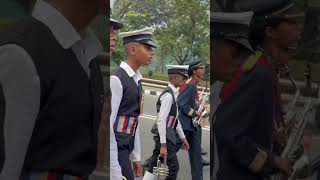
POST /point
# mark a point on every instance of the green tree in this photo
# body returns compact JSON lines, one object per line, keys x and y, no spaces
{"x":188,"y":31}
{"x":181,"y":26}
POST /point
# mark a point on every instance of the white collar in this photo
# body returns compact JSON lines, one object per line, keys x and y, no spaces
{"x":129,"y":70}
{"x":174,"y":89}
{"x":63,"y":30}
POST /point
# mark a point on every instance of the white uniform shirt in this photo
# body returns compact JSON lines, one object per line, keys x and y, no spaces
{"x":166,"y":103}
{"x":116,"y":91}
{"x":115,"y":169}
{"x":21,"y":84}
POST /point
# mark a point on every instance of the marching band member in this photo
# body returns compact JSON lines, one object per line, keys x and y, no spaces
{"x":247,"y":105}
{"x":126,"y":92}
{"x":49,"y":92}
{"x":187,"y":104}
{"x":115,"y":169}
{"x":168,"y":124}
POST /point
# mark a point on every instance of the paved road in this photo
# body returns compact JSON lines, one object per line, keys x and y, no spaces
{"x":184,"y":173}
{"x":147,"y":143}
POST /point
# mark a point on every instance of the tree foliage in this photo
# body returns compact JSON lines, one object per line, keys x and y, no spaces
{"x":181,"y":27}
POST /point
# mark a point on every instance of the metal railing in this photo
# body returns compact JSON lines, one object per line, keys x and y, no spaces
{"x":285,"y":96}
{"x":161,"y":84}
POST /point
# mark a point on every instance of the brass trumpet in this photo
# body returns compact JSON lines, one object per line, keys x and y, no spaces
{"x":196,"y":121}
{"x":295,"y":134}
{"x":162,"y":169}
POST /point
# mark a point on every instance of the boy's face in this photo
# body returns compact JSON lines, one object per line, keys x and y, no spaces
{"x":223,"y":63}
{"x":179,"y":80}
{"x":143,"y":53}
{"x":199,"y":72}
{"x":113,"y":39}
{"x":285,"y":35}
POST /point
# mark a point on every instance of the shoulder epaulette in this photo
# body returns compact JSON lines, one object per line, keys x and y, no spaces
{"x":252,"y":61}
{"x":188,"y":81}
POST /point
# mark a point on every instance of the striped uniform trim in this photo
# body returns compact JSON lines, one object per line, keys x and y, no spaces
{"x":51,"y":176}
{"x":125,"y":124}
{"x":171,"y":121}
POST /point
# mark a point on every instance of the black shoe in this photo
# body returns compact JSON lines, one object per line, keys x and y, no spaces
{"x":205,"y":162}
{"x":203,"y":152}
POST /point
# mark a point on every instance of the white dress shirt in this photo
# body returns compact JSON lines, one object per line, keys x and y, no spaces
{"x":115,"y":169}
{"x":21,"y":85}
{"x":166,"y":103}
{"x":116,"y":91}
